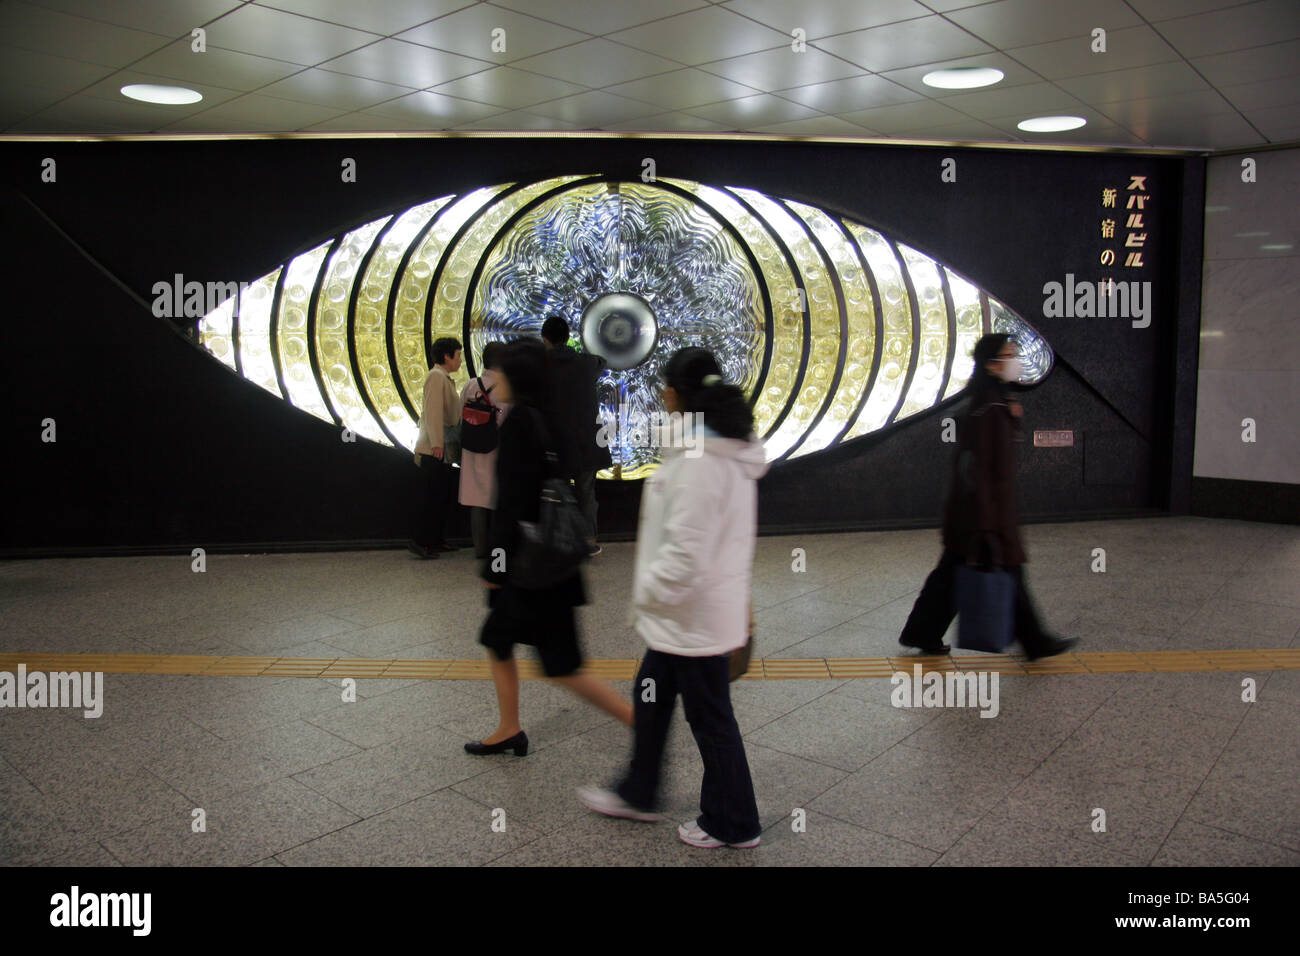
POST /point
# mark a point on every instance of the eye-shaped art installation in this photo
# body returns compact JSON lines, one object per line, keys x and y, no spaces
{"x":834,"y":330}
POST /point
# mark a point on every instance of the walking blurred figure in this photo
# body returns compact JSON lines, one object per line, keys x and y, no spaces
{"x":437,"y":449}
{"x":574,"y":403}
{"x":980,"y":522}
{"x":478,"y":480}
{"x":694,"y":556}
{"x":542,"y":617}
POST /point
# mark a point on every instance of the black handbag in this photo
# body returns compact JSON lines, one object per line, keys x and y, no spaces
{"x":553,"y":547}
{"x":478,"y":422}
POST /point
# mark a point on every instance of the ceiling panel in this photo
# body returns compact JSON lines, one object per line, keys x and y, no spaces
{"x":1212,"y":132}
{"x":1125,"y":49}
{"x":782,"y":68}
{"x":1136,"y":114}
{"x":593,"y":109}
{"x":751,"y":112}
{"x":153,"y":16}
{"x":683,"y":89}
{"x":385,"y":17}
{"x":334,"y":89}
{"x":1013,"y":23}
{"x":518,"y":119}
{"x":75,"y":38}
{"x":601,"y":16}
{"x":1033,"y":100}
{"x":434,"y":110}
{"x":283,"y":36}
{"x":909,"y":116}
{"x":1223,"y":31}
{"x":596,"y":63}
{"x":508,"y":88}
{"x":702,"y":36}
{"x":972,"y":130}
{"x":904,"y":44}
{"x":253,"y":112}
{"x":827,"y":17}
{"x":1143,"y":82}
{"x":670,"y":122}
{"x":815,"y":126}
{"x":216,"y":67}
{"x":1256,"y":96}
{"x":405,"y":64}
{"x":1154,"y":10}
{"x":856,"y":93}
{"x":50,"y":72}
{"x":469,"y":32}
{"x":1276,"y":122}
{"x":1275,"y":61}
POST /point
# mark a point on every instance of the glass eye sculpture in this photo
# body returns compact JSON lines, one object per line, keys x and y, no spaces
{"x":832,"y":329}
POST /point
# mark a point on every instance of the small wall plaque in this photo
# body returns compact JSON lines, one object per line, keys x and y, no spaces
{"x":1054,"y":439}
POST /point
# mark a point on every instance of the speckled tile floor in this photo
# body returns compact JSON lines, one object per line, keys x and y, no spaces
{"x":286,"y":772}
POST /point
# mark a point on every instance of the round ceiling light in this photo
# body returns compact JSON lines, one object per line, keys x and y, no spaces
{"x":963,"y":77}
{"x":1051,"y":124}
{"x":167,"y":95}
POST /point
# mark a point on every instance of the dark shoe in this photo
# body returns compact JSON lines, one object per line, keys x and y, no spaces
{"x":420,"y":551}
{"x":1051,"y":647}
{"x":445,"y":547}
{"x":518,"y":743}
{"x":937,"y":651}
{"x":595,"y":550}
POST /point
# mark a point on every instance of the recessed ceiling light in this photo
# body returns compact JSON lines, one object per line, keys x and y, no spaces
{"x":963,"y":77}
{"x":1051,"y":124}
{"x":169,"y":95}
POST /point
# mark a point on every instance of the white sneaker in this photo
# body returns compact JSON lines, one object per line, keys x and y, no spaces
{"x":612,"y":805}
{"x":691,"y":833}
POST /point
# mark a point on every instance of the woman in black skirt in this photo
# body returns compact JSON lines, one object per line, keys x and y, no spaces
{"x":542,"y":617}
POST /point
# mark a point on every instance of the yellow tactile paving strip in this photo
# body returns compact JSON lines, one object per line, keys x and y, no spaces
{"x":1150,"y":662}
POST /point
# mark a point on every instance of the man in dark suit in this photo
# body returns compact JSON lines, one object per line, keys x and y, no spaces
{"x":572,"y":417}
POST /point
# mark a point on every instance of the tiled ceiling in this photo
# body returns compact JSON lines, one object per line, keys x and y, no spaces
{"x":1187,"y":74}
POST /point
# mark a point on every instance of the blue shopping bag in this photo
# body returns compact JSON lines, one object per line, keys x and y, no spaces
{"x":986,"y":609}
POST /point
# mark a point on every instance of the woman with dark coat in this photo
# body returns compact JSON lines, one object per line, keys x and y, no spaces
{"x":980,"y":522}
{"x":541,"y":617}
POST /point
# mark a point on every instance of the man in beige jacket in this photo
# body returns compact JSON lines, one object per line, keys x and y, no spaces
{"x":436,"y":450}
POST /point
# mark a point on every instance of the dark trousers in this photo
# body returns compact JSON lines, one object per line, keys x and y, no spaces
{"x":584,"y":489}
{"x":439,"y":483}
{"x":727,"y":808}
{"x":936,"y":606}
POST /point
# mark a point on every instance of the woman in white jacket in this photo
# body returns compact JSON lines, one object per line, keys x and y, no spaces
{"x":695,"y":551}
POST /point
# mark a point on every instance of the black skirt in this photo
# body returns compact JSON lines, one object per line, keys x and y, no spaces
{"x":542,"y":618}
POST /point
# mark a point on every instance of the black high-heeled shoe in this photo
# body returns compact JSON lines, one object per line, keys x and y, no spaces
{"x":518,"y":743}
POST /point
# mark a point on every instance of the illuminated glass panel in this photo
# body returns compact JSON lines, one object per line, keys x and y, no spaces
{"x":787,"y":319}
{"x":216,"y":331}
{"x":970,"y":326}
{"x":371,"y":331}
{"x":894,"y":329}
{"x":332,"y":306}
{"x":1035,"y":353}
{"x":932,"y":348}
{"x":413,"y":291}
{"x":291,"y":332}
{"x":860,"y":316}
{"x":255,"y":333}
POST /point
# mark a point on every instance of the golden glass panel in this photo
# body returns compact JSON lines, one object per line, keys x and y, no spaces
{"x":970,"y":326}
{"x":370,"y":336}
{"x":255,"y":333}
{"x":332,"y":305}
{"x":291,"y":332}
{"x":860,"y":313}
{"x":787,"y":319}
{"x":895,"y":330}
{"x":413,"y":291}
{"x":932,"y":348}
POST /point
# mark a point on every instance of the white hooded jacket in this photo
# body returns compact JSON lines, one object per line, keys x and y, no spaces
{"x":695,"y":546}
